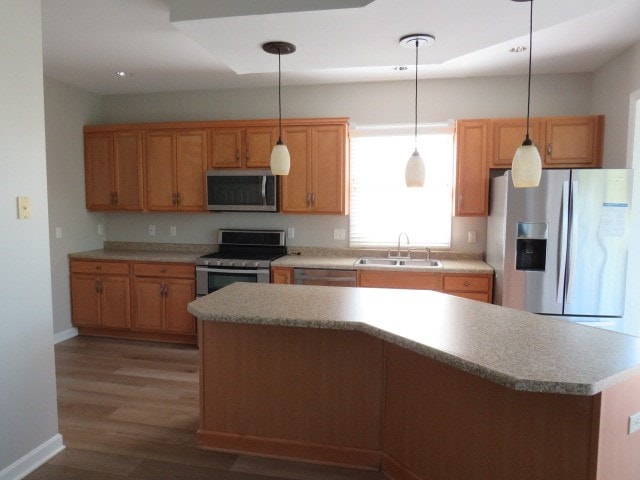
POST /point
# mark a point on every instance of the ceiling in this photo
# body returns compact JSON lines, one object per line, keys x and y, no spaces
{"x":180,"y":45}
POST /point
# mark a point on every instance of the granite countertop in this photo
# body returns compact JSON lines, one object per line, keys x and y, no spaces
{"x":519,"y":350}
{"x":348,"y":263}
{"x":146,"y":252}
{"x":337,"y":259}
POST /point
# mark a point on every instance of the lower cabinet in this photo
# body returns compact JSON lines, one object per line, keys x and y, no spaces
{"x":475,"y":287}
{"x":133,"y":300}
{"x":100,"y":294}
{"x":283,"y":275}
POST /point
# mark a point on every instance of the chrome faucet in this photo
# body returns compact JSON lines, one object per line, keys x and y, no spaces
{"x":428,"y":250}
{"x":399,"y":254}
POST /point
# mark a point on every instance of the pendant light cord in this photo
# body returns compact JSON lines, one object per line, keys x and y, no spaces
{"x":530,"y":55}
{"x":279,"y":98}
{"x":415,"y":131}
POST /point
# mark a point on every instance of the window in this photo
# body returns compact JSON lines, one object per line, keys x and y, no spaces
{"x":382,"y":206}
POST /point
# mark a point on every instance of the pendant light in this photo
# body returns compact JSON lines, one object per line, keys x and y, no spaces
{"x":414,"y":171}
{"x":280,"y":158}
{"x":526,"y":168}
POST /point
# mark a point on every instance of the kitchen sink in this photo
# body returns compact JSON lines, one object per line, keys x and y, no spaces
{"x":399,"y":262}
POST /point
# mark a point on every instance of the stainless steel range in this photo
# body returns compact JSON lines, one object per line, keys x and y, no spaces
{"x":243,"y":256}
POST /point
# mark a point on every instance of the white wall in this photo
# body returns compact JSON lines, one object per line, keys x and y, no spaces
{"x":28,"y":415}
{"x":67,"y":109}
{"x":612,"y":86}
{"x":364,"y":103}
{"x":616,"y":92}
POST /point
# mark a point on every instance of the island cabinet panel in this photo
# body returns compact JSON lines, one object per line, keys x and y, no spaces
{"x":308,"y":393}
{"x":452,"y":425}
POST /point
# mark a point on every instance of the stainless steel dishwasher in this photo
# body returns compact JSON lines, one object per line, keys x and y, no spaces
{"x":318,"y":276}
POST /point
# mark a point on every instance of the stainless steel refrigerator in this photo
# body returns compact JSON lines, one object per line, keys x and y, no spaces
{"x":561,"y":248}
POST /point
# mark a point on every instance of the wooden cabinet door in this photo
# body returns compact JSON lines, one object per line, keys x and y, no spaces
{"x":85,"y":301}
{"x":149,"y":304}
{"x":127,"y":161}
{"x":259,"y":142}
{"x":179,"y":292}
{"x":99,"y":180}
{"x":191,"y":166}
{"x":573,"y":142}
{"x":410,"y":280}
{"x":226,"y":146}
{"x":327,"y":175}
{"x":160,"y":171}
{"x":282,"y":275}
{"x":508,"y":134}
{"x":294,"y":188}
{"x":472,"y":184}
{"x":115,"y":304}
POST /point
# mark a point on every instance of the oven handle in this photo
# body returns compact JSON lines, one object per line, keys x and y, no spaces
{"x":229,"y":270}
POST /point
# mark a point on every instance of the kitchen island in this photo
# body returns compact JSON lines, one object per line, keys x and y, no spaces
{"x":419,"y":384}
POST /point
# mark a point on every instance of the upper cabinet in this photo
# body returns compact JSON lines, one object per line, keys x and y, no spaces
{"x":113,"y":170}
{"x":175,"y":163}
{"x":472,"y":184}
{"x":574,"y":142}
{"x":563,"y":142}
{"x":242,"y":147}
{"x":162,"y":166}
{"x":317,"y":181}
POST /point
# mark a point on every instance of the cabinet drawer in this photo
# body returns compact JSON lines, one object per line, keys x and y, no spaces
{"x":163,"y":270}
{"x":411,"y":280}
{"x":106,"y":268}
{"x":465,"y":284}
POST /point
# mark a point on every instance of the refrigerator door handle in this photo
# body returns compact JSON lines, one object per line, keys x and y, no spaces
{"x":573,"y":245}
{"x":564,"y":228}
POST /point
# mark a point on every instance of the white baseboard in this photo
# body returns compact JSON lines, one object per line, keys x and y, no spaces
{"x":32,"y":460}
{"x":65,"y":335}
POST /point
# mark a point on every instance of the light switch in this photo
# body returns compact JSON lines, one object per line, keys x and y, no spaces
{"x":24,"y":207}
{"x":58,"y":232}
{"x":173,"y":231}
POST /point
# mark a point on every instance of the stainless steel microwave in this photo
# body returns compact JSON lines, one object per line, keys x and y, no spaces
{"x":242,"y":190}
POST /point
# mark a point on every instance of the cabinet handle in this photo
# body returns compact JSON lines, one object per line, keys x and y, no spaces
{"x":308,"y":199}
{"x":173,"y":199}
{"x":313,"y":199}
{"x":166,"y":291}
{"x":466,"y":284}
{"x":461,"y":200}
{"x":97,"y":286}
{"x":164,"y":270}
{"x":548,"y":150}
{"x":247,"y":155}
{"x":98,"y":267}
{"x":177,"y":198}
{"x":162,"y":290}
{"x":237,"y":154}
{"x":100,"y":285}
{"x":115,"y":198}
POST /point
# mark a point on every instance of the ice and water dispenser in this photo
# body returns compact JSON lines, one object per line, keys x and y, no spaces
{"x":531,"y":246}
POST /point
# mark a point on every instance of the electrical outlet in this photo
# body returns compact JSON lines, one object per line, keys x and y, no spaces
{"x":472,"y":236}
{"x":291,"y":232}
{"x":58,"y":232}
{"x":173,"y":231}
{"x":24,"y":207}
{"x":152,"y":230}
{"x":339,"y":234}
{"x":100,"y":230}
{"x":634,"y":423}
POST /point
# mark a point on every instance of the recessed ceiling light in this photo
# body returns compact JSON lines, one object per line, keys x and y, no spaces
{"x":518,"y":49}
{"x":122,"y":73}
{"x":400,"y":69}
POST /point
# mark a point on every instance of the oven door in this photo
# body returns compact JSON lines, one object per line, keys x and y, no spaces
{"x":210,"y":279}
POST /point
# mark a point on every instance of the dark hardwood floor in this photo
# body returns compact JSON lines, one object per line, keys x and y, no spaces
{"x":129,"y":410}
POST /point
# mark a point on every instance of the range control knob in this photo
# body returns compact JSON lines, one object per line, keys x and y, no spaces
{"x":244,"y":264}
{"x":256,"y":264}
{"x":231,"y":264}
{"x":218,"y":263}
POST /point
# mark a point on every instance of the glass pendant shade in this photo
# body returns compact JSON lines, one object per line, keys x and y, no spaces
{"x":414,"y":171}
{"x":280,"y":159}
{"x":526,"y":168}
